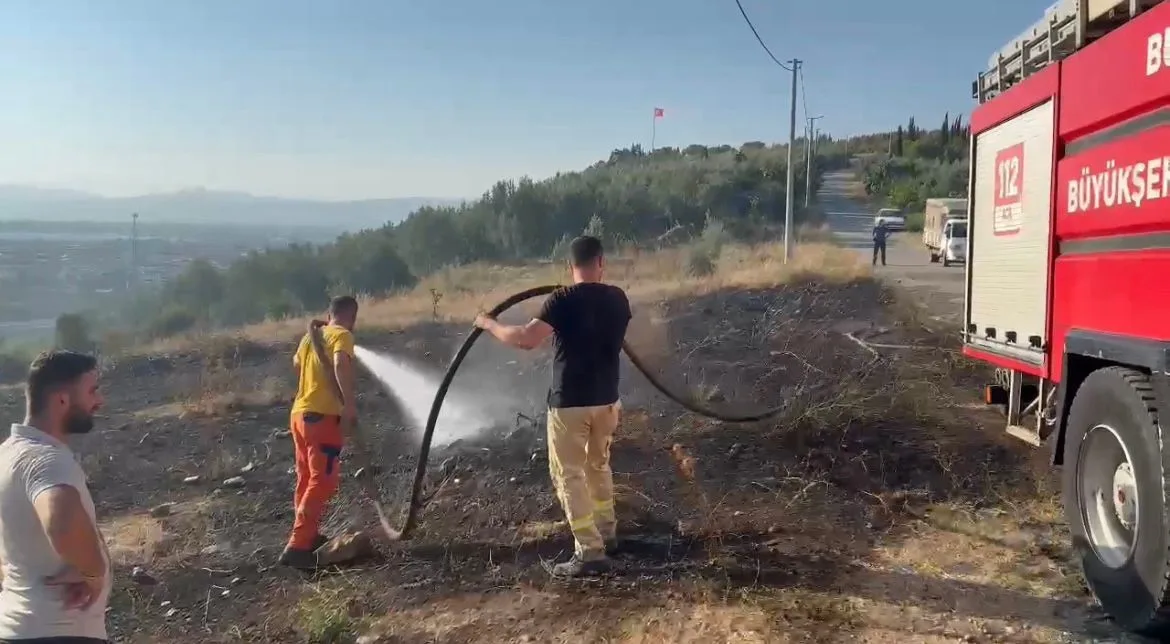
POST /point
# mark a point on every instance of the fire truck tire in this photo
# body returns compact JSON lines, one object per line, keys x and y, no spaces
{"x":1114,"y":421}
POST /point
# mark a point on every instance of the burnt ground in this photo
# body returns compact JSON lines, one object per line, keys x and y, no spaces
{"x":881,"y":505}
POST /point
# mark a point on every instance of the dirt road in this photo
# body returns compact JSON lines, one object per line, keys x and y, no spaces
{"x":939,"y":289}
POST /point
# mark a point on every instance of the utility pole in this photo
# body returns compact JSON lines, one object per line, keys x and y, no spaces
{"x":789,"y":197}
{"x":808,"y":171}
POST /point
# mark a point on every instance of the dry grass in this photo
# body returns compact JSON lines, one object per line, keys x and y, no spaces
{"x":329,"y":612}
{"x":458,"y":294}
{"x":136,"y":540}
{"x":705,"y":614}
{"x":222,"y":390}
{"x":140,"y":539}
{"x":856,"y":191}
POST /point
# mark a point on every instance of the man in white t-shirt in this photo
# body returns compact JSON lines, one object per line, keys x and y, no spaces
{"x":57,"y":575}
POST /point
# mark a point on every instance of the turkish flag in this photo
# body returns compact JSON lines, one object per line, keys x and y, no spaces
{"x":659,"y":112}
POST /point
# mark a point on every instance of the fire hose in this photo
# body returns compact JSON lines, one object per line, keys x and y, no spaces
{"x":416,"y":500}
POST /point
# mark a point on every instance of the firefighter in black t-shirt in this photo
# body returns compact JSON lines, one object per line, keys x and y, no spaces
{"x":588,"y":321}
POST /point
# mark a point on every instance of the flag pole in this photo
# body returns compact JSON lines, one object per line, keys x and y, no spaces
{"x":653,"y":130}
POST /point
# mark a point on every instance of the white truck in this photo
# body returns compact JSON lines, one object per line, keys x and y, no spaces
{"x":944,"y":230}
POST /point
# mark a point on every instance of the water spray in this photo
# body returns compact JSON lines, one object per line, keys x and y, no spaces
{"x":416,"y":500}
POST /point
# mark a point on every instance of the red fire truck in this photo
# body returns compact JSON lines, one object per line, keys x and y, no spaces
{"x":1068,"y":277}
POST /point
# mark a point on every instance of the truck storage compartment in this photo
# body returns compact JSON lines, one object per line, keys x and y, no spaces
{"x":934,"y":218}
{"x":1010,"y":227}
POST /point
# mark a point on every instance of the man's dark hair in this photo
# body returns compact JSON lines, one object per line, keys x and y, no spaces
{"x":50,"y":372}
{"x":343,"y":305}
{"x":584,"y":250}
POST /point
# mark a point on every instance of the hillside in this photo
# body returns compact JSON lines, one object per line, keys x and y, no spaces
{"x":23,"y":203}
{"x":859,"y":513}
{"x":630,"y":198}
{"x":884,"y":504}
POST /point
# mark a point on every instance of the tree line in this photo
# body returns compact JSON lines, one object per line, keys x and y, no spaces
{"x":634,"y":196}
{"x":920,"y":164}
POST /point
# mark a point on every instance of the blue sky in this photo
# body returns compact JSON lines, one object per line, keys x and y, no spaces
{"x":338,"y":99}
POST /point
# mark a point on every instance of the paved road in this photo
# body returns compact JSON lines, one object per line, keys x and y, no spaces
{"x":907,"y":261}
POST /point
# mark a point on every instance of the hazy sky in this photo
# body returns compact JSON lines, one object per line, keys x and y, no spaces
{"x":362,"y":98}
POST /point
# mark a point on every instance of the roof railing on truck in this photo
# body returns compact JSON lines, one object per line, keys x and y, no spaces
{"x":1067,"y":27}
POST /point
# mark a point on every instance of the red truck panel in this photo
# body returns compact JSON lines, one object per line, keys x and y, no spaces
{"x":1112,"y":270}
{"x":1111,"y":207}
{"x":1116,"y":77}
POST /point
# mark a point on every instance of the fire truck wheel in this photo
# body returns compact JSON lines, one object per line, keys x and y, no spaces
{"x":934,"y":258}
{"x":1114,"y":473}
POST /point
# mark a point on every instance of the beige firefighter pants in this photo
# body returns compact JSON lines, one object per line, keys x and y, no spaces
{"x":579,"y":439}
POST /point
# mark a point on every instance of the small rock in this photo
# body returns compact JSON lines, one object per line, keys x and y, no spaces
{"x":164,"y":603}
{"x":140,"y":576}
{"x":280,"y":433}
{"x":236,"y":581}
{"x":455,"y":481}
{"x":248,"y":468}
{"x":225,"y":593}
{"x":346,"y":547}
{"x":367,"y":471}
{"x":235,"y":481}
{"x":163,"y":510}
{"x":513,"y":479}
{"x":991,"y":628}
{"x":738,"y":513}
{"x":172,"y":612}
{"x":190,"y":480}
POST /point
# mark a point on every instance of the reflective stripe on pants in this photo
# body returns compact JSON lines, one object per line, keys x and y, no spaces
{"x":579,"y":439}
{"x":317,"y":442}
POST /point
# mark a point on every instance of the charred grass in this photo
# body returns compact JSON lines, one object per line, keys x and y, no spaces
{"x":880,"y":503}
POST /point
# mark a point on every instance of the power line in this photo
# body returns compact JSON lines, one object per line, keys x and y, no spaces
{"x":760,"y":40}
{"x":803,"y":93}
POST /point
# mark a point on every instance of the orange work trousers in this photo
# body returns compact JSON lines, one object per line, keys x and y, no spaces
{"x":317,"y":441}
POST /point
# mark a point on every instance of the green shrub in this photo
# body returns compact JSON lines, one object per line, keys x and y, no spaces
{"x":699,"y":262}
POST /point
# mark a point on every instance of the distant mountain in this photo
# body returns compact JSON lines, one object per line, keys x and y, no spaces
{"x":205,"y":207}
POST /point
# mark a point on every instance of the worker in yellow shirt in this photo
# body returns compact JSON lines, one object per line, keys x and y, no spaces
{"x":316,"y":424}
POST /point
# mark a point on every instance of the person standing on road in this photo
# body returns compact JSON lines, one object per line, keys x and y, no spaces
{"x":589,"y":321}
{"x":316,"y":426}
{"x":57,"y":575}
{"x":880,"y":233}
